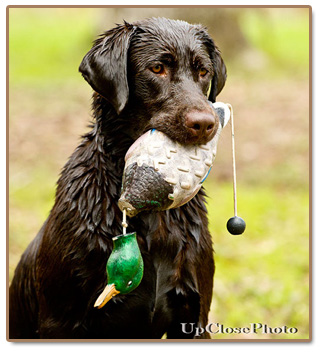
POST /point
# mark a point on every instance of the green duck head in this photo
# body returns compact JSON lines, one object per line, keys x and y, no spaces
{"x":124,"y":268}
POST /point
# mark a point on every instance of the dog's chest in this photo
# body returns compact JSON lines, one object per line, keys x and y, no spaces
{"x":169,"y":282}
{"x":175,"y":281}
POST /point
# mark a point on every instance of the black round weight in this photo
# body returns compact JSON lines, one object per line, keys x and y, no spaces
{"x":236,"y":225}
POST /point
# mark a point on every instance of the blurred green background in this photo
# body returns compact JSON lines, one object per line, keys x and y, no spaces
{"x":262,"y":276}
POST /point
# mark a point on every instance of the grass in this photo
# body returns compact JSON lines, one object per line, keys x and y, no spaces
{"x":30,"y":200}
{"x":48,"y":43}
{"x":282,"y":36}
{"x":261,"y":276}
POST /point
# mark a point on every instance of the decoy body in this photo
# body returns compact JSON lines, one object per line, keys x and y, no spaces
{"x":161,"y":173}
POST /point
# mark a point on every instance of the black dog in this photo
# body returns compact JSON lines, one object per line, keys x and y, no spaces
{"x":154,"y":73}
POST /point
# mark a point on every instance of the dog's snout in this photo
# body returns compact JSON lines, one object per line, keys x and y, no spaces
{"x":201,"y":126}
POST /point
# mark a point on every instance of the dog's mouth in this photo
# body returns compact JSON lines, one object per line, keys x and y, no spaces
{"x":191,"y":128}
{"x":175,"y":132}
{"x":181,"y":134}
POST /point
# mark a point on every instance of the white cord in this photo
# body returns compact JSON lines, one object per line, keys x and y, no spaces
{"x":124,"y":221}
{"x":233,"y":163}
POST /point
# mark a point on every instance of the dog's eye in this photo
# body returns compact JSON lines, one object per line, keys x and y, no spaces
{"x":203,"y":72}
{"x":157,"y":69}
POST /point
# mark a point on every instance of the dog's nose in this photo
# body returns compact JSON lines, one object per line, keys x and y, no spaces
{"x":201,"y":126}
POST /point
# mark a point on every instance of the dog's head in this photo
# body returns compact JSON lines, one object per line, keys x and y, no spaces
{"x":158,"y":74}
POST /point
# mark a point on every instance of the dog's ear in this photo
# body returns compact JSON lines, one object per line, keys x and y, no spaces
{"x":220,"y":76}
{"x":104,"y":67}
{"x":220,"y":71}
